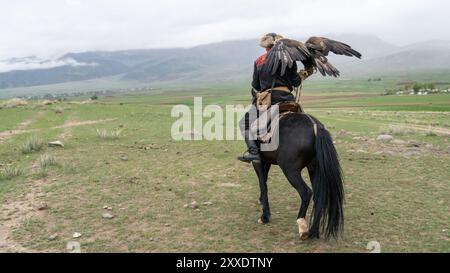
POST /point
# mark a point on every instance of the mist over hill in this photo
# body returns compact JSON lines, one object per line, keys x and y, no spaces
{"x":228,"y":60}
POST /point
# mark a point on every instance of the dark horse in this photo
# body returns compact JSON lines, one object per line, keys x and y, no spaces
{"x":298,"y":148}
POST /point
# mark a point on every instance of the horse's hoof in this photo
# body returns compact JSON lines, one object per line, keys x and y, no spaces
{"x":303,"y":229}
{"x":263,"y":220}
{"x":304,"y":236}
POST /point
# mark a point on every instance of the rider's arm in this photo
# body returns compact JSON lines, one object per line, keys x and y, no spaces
{"x":255,"y":83}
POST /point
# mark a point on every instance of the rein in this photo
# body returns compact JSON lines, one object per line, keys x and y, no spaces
{"x":298,"y":93}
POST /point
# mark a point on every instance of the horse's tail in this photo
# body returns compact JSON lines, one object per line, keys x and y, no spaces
{"x":328,"y":190}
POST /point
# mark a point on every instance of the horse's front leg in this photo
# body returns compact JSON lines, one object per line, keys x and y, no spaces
{"x":262,"y":170}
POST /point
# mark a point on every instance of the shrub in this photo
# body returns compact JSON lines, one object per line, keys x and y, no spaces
{"x":10,"y":172}
{"x":32,"y":144}
{"x":47,"y":160}
{"x":105,"y":134}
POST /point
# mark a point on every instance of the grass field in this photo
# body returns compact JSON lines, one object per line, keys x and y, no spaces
{"x":397,"y":193}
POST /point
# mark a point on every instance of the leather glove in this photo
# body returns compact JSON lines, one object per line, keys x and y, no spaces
{"x":303,"y":74}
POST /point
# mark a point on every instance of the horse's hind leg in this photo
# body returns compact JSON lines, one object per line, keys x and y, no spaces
{"x":262,"y":170}
{"x":294,"y":177}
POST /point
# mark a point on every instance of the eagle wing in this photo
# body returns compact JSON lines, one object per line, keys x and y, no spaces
{"x":319,"y":48}
{"x":312,"y":54}
{"x":284,"y":53}
{"x":323,"y":46}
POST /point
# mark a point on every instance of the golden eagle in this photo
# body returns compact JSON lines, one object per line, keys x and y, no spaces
{"x":312,"y":54}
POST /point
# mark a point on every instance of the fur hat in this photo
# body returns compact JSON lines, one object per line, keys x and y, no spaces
{"x":268,"y":40}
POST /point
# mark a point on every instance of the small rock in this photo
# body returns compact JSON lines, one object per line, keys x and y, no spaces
{"x":124,"y":158}
{"x":385,"y":138}
{"x":185,"y":206}
{"x":42,"y":206}
{"x":194,"y":205}
{"x":413,"y":143}
{"x":107,"y":215}
{"x":53,"y":236}
{"x":76,"y":235}
{"x":207,"y":203}
{"x":167,"y":225}
{"x":399,"y":142}
{"x":107,"y":207}
{"x":56,"y":143}
{"x":361,"y":151}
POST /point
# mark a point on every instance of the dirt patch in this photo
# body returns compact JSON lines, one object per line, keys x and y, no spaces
{"x":4,"y":135}
{"x":14,"y":213}
{"x":369,"y":145}
{"x":437,"y":130}
{"x":69,"y":124}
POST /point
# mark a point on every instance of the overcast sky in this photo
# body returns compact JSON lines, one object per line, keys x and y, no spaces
{"x":54,"y":27}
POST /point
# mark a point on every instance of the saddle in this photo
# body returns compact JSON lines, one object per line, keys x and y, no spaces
{"x":269,"y":121}
{"x":290,"y":106}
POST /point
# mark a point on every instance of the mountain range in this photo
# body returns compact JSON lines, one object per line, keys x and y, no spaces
{"x":228,"y":60}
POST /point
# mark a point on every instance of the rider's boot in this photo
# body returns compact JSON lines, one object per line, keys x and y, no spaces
{"x":253,"y":152}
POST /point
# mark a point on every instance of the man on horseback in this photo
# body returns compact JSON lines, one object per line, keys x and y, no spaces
{"x":303,"y":141}
{"x":279,"y":87}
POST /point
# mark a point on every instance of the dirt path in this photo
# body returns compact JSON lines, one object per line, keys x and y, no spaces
{"x":21,"y":128}
{"x":18,"y":131}
{"x":437,"y":130}
{"x":69,"y":124}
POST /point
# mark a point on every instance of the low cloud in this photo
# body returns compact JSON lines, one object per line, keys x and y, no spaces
{"x":33,"y":62}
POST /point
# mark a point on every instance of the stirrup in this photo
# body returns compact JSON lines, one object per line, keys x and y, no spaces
{"x":244,"y":158}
